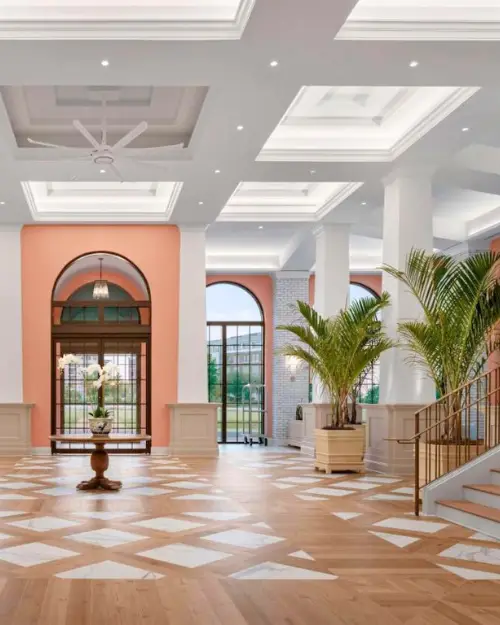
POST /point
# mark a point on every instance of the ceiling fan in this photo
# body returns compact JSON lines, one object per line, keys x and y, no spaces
{"x":106,"y":156}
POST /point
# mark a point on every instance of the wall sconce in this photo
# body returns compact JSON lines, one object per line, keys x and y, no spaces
{"x":292,"y":364}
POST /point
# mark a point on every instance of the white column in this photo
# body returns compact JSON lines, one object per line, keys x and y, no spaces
{"x":192,"y":372}
{"x":331,"y":287}
{"x":11,"y":342}
{"x":407,"y":225}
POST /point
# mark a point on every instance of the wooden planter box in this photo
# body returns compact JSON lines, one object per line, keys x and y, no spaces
{"x":442,"y":459}
{"x":340,"y":450}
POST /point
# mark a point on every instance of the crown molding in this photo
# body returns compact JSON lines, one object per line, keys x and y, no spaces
{"x":147,"y":30}
{"x":419,"y":30}
{"x":103,"y":216}
{"x":371,"y":155}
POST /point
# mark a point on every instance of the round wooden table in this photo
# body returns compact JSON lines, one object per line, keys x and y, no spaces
{"x":99,"y":459}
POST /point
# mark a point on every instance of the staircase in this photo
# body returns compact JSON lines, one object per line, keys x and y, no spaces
{"x":457,"y":455}
{"x":479,"y":508}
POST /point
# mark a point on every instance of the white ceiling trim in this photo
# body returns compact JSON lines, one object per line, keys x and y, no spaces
{"x":277,"y":212}
{"x":105,"y":208}
{"x":48,"y":28}
{"x":243,"y":262}
{"x":369,"y":154}
{"x":376,"y":30}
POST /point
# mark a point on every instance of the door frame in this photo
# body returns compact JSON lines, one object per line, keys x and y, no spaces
{"x":223,"y":325}
{"x":142,"y":335}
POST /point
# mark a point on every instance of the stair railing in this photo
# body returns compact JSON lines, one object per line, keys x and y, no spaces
{"x":456,"y":429}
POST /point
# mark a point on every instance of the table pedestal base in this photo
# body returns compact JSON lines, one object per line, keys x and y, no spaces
{"x":99,"y":461}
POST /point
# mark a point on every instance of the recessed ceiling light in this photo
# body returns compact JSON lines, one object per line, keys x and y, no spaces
{"x":274,"y":63}
{"x":312,"y":172}
{"x":240,"y":127}
{"x":413,"y":63}
{"x":105,"y":62}
{"x":363,"y":203}
{"x":217,"y":171}
{"x":2,"y":202}
{"x":200,"y":203}
{"x":465,"y":129}
{"x":261,"y":227}
{"x":102,"y":171}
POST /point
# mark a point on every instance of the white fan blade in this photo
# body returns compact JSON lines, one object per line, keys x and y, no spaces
{"x":130,"y":136}
{"x":160,"y":150}
{"x":116,"y":171}
{"x":50,"y":145}
{"x":81,"y":128}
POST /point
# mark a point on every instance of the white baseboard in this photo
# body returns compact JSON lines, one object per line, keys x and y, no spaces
{"x":160,"y":451}
{"x":41,"y":451}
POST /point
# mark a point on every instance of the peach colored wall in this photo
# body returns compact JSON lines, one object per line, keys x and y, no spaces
{"x":262,"y":287}
{"x":372,"y":281}
{"x":45,"y":251}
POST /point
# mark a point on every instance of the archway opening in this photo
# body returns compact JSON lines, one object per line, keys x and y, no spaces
{"x":101,"y":313}
{"x":235,"y":342}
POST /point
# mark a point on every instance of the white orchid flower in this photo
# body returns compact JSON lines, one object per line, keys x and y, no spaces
{"x":68,"y":359}
{"x":93,"y":368}
{"x":97,"y":383}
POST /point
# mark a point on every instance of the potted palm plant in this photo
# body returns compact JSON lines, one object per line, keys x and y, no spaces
{"x":460,"y":301}
{"x":338,"y":350}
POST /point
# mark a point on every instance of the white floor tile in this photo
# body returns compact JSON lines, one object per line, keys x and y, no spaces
{"x":379,"y":480}
{"x":242,"y":538}
{"x":405,"y":490}
{"x":262,"y":525}
{"x":411,"y":525}
{"x":167,"y":524}
{"x":105,"y":515}
{"x":299,"y":480}
{"x":202,"y":497}
{"x":142,"y":479}
{"x":5,"y":536}
{"x":105,"y":537}
{"x":31,"y":554}
{"x":311,"y":498}
{"x":356,"y":484}
{"x":263,"y":475}
{"x":303,"y":555}
{"x":477,"y":536}
{"x":473,"y":553}
{"x":470,"y":574}
{"x":396,"y":539}
{"x":346,"y":516}
{"x":147,"y":491}
{"x":190,"y":485}
{"x":14,"y":497}
{"x":44,"y":524}
{"x":18,"y":485}
{"x":388,"y":497}
{"x":27,"y":476}
{"x":109,"y":570}
{"x":185,"y":555}
{"x":171,"y":476}
{"x":282,"y":486}
{"x":58,"y":491}
{"x":219,"y":516}
{"x":331,"y":492}
{"x":273,"y":570}
{"x":8,"y":513}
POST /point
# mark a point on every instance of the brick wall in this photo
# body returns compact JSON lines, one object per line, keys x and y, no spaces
{"x":289,"y":287}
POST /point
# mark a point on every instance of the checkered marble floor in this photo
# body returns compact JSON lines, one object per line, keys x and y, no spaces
{"x":216,"y":527}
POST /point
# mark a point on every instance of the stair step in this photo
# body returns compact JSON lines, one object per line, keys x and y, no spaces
{"x":472,"y":515}
{"x":495,"y":476}
{"x":483,"y":494}
{"x":491,"y":489}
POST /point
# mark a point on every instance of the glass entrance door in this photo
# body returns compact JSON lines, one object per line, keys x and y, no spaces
{"x":74,"y":397}
{"x":235,"y":359}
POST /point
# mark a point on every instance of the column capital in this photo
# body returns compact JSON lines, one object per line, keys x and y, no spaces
{"x":410,"y":172}
{"x":192,"y":227}
{"x":323,"y":228}
{"x":292,"y":275}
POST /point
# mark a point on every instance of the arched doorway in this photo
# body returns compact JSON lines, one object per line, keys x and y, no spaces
{"x":235,"y":341}
{"x":101,"y":312}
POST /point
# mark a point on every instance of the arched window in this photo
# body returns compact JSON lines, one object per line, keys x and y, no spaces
{"x":84,"y":314}
{"x":358,"y":291}
{"x":235,"y":340}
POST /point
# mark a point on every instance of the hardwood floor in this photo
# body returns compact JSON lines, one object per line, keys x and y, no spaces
{"x":248,"y":539}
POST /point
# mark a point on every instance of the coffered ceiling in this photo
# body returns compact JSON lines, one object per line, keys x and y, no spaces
{"x":286,"y":114}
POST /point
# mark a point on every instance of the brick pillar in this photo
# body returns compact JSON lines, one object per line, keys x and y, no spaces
{"x":289,"y":286}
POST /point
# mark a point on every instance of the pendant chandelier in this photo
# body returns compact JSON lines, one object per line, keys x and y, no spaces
{"x":101,"y":290}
